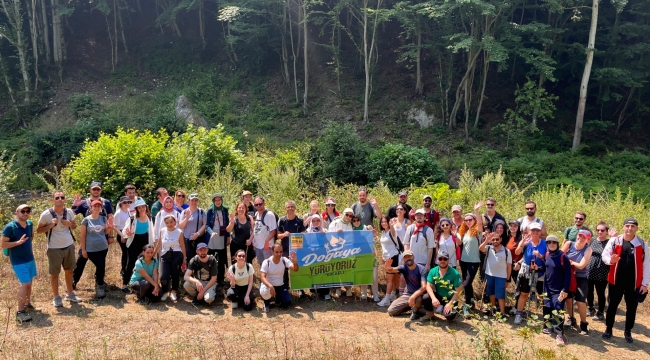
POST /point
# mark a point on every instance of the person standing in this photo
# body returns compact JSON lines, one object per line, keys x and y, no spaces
{"x":449,"y":241}
{"x":457,"y":217}
{"x":531,"y":271}
{"x":313,"y":211}
{"x":140,"y":232}
{"x":490,"y":219}
{"x":161,"y":194}
{"x":365,"y":209}
{"x":431,"y":216}
{"x":330,"y":212}
{"x":171,"y":247}
{"x":530,"y":218}
{"x":629,"y":272}
{"x":571,"y":232}
{"x":579,"y":254}
{"x":241,"y":225}
{"x":287,"y":225}
{"x":192,"y":223}
{"x":179,"y":201}
{"x":57,"y":223}
{"x":219,"y":238}
{"x":419,"y":238}
{"x":246,"y":198}
{"x":17,"y":238}
{"x":94,"y":247}
{"x":122,"y":215}
{"x":83,"y":206}
{"x":557,"y":280}
{"x":498,"y":265}
{"x":132,"y":193}
{"x":265,"y":230}
{"x":470,"y":235}
{"x":598,"y":271}
{"x":402,"y":198}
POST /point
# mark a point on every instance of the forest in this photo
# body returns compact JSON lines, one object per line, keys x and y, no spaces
{"x":506,"y":83}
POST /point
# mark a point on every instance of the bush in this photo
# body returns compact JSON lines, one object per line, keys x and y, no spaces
{"x":340,"y":154}
{"x":400,"y":166}
{"x":82,"y":105}
{"x":7,"y":177}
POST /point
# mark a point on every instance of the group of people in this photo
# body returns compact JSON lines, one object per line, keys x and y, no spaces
{"x":430,"y":261}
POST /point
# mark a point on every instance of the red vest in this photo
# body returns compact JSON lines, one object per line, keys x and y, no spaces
{"x":639,"y":253}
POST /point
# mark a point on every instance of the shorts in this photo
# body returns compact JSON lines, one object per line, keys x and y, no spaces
{"x":580,"y":295}
{"x":61,"y":257}
{"x":395,"y":261}
{"x":495,"y":286}
{"x":25,"y":272}
{"x":524,"y":287}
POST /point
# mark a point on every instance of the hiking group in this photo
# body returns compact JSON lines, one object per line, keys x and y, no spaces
{"x":430,"y":261}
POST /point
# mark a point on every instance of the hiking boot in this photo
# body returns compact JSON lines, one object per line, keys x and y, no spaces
{"x":628,"y":336}
{"x":583,"y":328}
{"x":559,"y":340}
{"x":599,"y":316}
{"x":72,"y":297}
{"x":591,"y":312}
{"x":518,"y":319}
{"x":57,"y":301}
{"x":29,"y":307}
{"x":22,"y":316}
{"x":607,"y":334}
{"x":100,"y":291}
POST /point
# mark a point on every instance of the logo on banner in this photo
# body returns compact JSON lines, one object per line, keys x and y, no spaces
{"x":334,"y":250}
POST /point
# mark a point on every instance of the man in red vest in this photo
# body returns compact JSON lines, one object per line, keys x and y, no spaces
{"x":628,"y":277}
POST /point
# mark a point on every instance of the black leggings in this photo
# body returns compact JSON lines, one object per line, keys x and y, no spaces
{"x":237,"y":295}
{"x":234,"y":247}
{"x":170,"y":264}
{"x":469,"y":271}
{"x":134,"y":251}
{"x":222,"y":263}
{"x":98,"y":258}
{"x":144,"y":289}
{"x":125,"y":254}
{"x":600,"y":287}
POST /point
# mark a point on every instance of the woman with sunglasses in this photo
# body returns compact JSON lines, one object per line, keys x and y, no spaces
{"x":391,"y":248}
{"x":598,"y":271}
{"x":240,"y":275}
{"x":179,"y":201}
{"x":557,"y":279}
{"x":140,"y":232}
{"x":448,"y":240}
{"x":579,"y":254}
{"x":469,"y":259}
{"x":330,"y":212}
{"x":241,"y":225}
{"x":171,"y":247}
{"x":94,"y":247}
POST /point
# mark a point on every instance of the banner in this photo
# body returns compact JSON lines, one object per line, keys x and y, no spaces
{"x":333,"y":259}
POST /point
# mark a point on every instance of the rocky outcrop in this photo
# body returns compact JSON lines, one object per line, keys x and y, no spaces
{"x":185,"y":112}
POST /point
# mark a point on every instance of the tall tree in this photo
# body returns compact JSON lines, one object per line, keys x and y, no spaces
{"x":14,"y":34}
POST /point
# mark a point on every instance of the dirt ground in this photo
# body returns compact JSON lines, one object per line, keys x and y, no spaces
{"x":118,"y":328}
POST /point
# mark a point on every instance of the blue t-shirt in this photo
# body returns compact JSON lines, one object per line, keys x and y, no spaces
{"x":20,"y":254}
{"x":141,"y":227}
{"x":84,"y":208}
{"x":95,"y":233}
{"x":414,"y":278}
{"x":528,"y":254}
{"x":140,"y":264}
{"x":183,"y":207}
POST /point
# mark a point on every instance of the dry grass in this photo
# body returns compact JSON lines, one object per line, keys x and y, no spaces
{"x":117,"y":328}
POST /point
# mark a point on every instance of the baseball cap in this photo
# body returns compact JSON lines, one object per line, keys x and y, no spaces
{"x":419,"y":211}
{"x":443,"y":253}
{"x":201,"y":246}
{"x":96,"y":202}
{"x":402,"y":193}
{"x":140,"y":202}
{"x":552,"y":238}
{"x":193,"y":196}
{"x":456,"y":208}
{"x":246,"y":192}
{"x":535,"y":226}
{"x":407,"y":253}
{"x":330,"y":201}
{"x":585,"y":233}
{"x":217,"y":196}
{"x":348,"y":210}
{"x":23,"y":206}
{"x":427,"y":196}
{"x":630,"y":220}
{"x":95,"y":184}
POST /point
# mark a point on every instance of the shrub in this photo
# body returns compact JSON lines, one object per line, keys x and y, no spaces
{"x":82,"y":105}
{"x":7,"y":177}
{"x":340,"y":154}
{"x":400,"y":166}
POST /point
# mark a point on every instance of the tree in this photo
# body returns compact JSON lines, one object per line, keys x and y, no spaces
{"x":14,"y":34}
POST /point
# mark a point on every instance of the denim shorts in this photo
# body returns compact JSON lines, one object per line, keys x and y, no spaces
{"x":496,"y":286}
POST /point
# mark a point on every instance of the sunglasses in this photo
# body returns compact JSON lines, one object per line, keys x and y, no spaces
{"x":399,"y":209}
{"x":489,"y":205}
{"x":348,"y":215}
{"x":95,"y":189}
{"x":444,"y":225}
{"x":427,"y":200}
{"x":530,"y":209}
{"x":579,"y":218}
{"x":551,"y":242}
{"x":443,"y":259}
{"x":180,"y":195}
{"x":25,"y":211}
{"x":260,"y":204}
{"x":468,"y":220}
{"x":59,"y":198}
{"x":241,"y":256}
{"x":330,"y":205}
{"x":601,"y":230}
{"x":128,"y":202}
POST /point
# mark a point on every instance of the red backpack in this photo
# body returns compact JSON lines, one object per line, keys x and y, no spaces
{"x":573,"y":285}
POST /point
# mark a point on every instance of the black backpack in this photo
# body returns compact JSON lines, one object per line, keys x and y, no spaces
{"x":263,"y":223}
{"x":54,"y":216}
{"x":88,"y":209}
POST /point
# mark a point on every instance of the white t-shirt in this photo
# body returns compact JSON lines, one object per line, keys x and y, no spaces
{"x":262,"y":231}
{"x":525,"y":223}
{"x":159,"y":224}
{"x":496,"y":262}
{"x":400,"y":230}
{"x":119,"y":218}
{"x":217,"y":241}
{"x":60,"y":237}
{"x":339,"y":224}
{"x":170,"y":240}
{"x":448,"y":245}
{"x":275,"y":272}
{"x":419,"y":245}
{"x":241,"y":275}
{"x":388,"y":247}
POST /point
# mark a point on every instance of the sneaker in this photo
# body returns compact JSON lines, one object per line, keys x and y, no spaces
{"x":392,"y":296}
{"x":99,"y":290}
{"x":607,"y":334}
{"x":72,"y":297}
{"x":266,"y":308}
{"x":572,"y":324}
{"x":559,"y":340}
{"x":235,"y":305}
{"x":164,"y":297}
{"x":598,"y":316}
{"x":57,"y":302}
{"x":22,"y":316}
{"x":384,"y":302}
{"x":628,"y":336}
{"x":29,"y":307}
{"x":172,"y":296}
{"x":327,"y":297}
{"x":348,"y":293}
{"x":196,"y":302}
{"x":415,"y":315}
{"x":337,"y":294}
{"x":364,"y":296}
{"x":584,"y":330}
{"x":518,"y":319}
{"x":466,"y":312}
{"x":591,"y":312}
{"x":439,"y":309}
{"x":301,"y":294}
{"x":513,"y":311}
{"x":546,"y":331}
{"x":376,"y":298}
{"x":126,"y":290}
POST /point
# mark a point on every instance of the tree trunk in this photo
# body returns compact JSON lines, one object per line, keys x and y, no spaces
{"x":33,"y":22}
{"x":419,"y":88}
{"x":486,"y":68}
{"x":461,"y":86}
{"x":10,"y":91}
{"x":293,"y":53}
{"x":110,"y":37}
{"x":119,"y":16}
{"x":285,"y":54}
{"x":585,"y":77}
{"x":621,"y":118}
{"x":57,"y":38}
{"x":115,"y":30}
{"x":367,"y":53}
{"x":46,"y":33}
{"x":305,"y":58}
{"x":202,"y":24}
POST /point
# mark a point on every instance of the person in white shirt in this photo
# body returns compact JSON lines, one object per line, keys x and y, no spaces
{"x":240,"y":275}
{"x":272,"y":277}
{"x":419,"y":239}
{"x":340,"y":224}
{"x":498,"y":266}
{"x":171,"y":247}
{"x":265,"y":230}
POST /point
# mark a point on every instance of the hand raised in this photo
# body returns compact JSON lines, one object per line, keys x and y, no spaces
{"x":478,"y":205}
{"x":77,"y":200}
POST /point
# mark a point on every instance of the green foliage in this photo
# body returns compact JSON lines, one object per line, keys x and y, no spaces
{"x":400,"y":166}
{"x":82,"y":105}
{"x":340,"y":154}
{"x":7,"y":176}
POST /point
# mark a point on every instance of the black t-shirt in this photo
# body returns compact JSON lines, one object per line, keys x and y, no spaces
{"x":294,"y":226}
{"x":203,"y":270}
{"x":242,"y":232}
{"x":491,"y":225}
{"x":392,"y":211}
{"x":625,"y":270}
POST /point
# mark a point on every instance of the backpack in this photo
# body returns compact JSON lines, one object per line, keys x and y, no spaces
{"x":495,"y":253}
{"x":249,"y":267}
{"x":5,"y":251}
{"x":398,"y":244}
{"x":263,"y":223}
{"x":573,"y":285}
{"x":424,"y":233}
{"x":88,"y":211}
{"x":283,"y":259}
{"x":54,"y":215}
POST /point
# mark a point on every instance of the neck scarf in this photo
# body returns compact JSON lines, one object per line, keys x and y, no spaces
{"x":418,"y":227}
